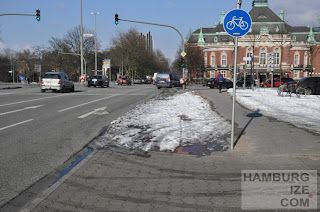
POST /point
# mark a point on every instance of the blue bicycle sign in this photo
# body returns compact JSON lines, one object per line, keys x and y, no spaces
{"x":237,"y":23}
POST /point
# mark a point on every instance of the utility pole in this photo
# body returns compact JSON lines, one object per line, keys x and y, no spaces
{"x":81,"y":39}
{"x":95,"y":39}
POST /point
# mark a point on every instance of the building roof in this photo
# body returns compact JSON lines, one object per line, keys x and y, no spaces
{"x":264,"y":20}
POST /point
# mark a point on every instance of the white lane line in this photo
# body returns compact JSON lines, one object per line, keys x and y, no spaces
{"x":26,"y":108}
{"x":3,"y":128}
{"x":31,"y":100}
{"x":69,"y":108}
{"x":40,"y":197}
{"x":95,"y":111}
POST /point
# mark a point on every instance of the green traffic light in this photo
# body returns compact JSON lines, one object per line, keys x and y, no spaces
{"x":116,"y":19}
{"x":38,"y":15}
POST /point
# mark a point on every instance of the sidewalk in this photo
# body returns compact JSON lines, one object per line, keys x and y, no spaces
{"x":111,"y":181}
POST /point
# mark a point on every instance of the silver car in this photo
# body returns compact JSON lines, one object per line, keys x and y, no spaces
{"x":56,"y":81}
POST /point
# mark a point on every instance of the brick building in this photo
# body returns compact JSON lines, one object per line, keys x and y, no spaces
{"x":296,"y":49}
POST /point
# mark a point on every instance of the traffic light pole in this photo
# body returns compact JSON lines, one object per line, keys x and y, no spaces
{"x":4,"y":14}
{"x":163,"y":25}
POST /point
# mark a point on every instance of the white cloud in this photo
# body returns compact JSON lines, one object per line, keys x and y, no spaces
{"x":297,"y":12}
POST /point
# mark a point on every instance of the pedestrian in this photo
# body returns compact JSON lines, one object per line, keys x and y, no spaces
{"x":220,"y":79}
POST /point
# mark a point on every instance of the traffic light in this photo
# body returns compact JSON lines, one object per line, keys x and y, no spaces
{"x":271,"y":61}
{"x":116,"y":19}
{"x":38,"y":15}
{"x":182,"y":62}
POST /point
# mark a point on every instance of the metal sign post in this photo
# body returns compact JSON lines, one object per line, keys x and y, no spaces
{"x":237,"y":23}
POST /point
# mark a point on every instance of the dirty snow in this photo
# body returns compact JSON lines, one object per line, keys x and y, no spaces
{"x":167,"y":122}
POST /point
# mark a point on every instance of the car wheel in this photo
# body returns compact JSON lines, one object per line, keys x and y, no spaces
{"x":308,"y":91}
{"x":63,"y":89}
{"x":89,"y":86}
{"x":108,"y":85}
{"x":43,"y":90}
{"x":158,"y":87}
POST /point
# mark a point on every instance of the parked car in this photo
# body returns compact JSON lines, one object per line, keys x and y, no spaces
{"x":167,"y":80}
{"x":138,"y":81}
{"x":124,"y":80}
{"x":276,"y":82}
{"x":98,"y":80}
{"x":311,"y":84}
{"x":267,"y":83}
{"x":286,"y":80}
{"x":212,"y":83}
{"x":248,"y":82}
{"x":56,"y":81}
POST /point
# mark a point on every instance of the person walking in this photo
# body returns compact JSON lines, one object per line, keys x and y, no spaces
{"x":220,"y":79}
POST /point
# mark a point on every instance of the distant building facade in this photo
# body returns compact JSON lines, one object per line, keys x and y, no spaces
{"x":296,"y":49}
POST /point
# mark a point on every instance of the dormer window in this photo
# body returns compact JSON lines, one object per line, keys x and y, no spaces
{"x":215,"y":39}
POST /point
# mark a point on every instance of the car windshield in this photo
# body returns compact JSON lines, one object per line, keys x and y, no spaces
{"x":52,"y":76}
{"x":162,"y":76}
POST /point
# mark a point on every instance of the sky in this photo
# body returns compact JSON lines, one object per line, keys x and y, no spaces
{"x":191,"y":122}
{"x":59,"y":16}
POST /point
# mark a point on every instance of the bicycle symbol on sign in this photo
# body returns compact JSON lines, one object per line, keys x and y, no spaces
{"x":237,"y":22}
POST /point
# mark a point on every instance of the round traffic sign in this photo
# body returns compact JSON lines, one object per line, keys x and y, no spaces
{"x":237,"y":23}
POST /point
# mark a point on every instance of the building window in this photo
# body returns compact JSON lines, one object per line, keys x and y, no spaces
{"x":294,"y":38}
{"x":223,"y":74}
{"x":296,"y":74}
{"x":212,"y":61}
{"x":249,"y":55}
{"x":305,"y":61}
{"x":205,"y":60}
{"x":215,"y":39}
{"x":224,"y":61}
{"x":296,"y":60}
{"x":263,"y":59}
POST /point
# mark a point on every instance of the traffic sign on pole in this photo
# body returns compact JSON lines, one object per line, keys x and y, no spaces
{"x":237,"y":23}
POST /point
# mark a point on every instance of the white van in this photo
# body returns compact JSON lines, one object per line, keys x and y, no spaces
{"x":56,"y":81}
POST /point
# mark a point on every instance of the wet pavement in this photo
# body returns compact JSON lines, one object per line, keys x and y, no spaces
{"x":119,"y":179}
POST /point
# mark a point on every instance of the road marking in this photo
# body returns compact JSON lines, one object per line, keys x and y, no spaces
{"x":94,"y":112}
{"x":31,"y":100}
{"x":26,"y":108}
{"x":3,"y":128}
{"x":69,"y":108}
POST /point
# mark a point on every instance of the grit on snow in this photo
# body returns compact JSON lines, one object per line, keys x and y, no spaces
{"x":167,"y":122}
{"x":303,"y":112}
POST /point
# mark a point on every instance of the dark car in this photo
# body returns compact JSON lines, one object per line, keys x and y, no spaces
{"x":311,"y":84}
{"x":240,"y":82}
{"x":286,"y":80}
{"x":167,"y":80}
{"x":124,"y":80}
{"x":212,"y":83}
{"x":98,"y":80}
{"x":138,"y":81}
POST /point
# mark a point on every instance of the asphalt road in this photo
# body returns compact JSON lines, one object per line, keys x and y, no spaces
{"x":40,"y":131}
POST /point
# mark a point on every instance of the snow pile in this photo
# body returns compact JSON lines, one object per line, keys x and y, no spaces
{"x":167,"y":122}
{"x":303,"y":112}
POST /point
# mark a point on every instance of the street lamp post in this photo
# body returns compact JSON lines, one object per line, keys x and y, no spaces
{"x":95,"y":38}
{"x":81,"y":39}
